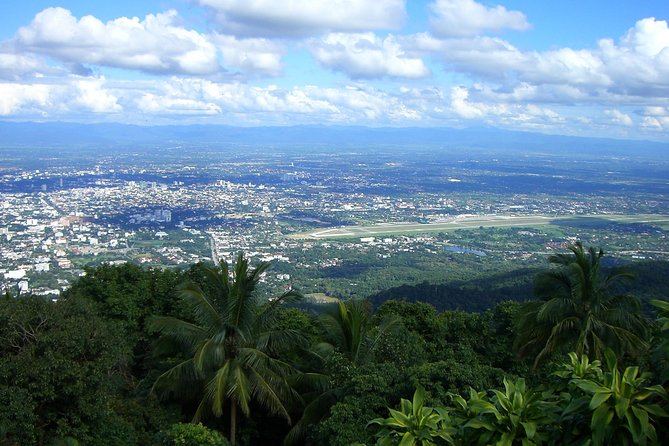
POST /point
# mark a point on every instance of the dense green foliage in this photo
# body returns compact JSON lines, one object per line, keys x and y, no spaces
{"x":210,"y":343}
{"x":58,"y":364}
{"x":581,"y":405}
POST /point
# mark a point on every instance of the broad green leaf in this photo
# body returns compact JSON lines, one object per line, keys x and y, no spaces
{"x":418,"y":399}
{"x":591,"y":386}
{"x":478,"y":423}
{"x":642,"y":416}
{"x":506,"y":439}
{"x":621,"y":406}
{"x":400,"y":418}
{"x":655,"y":409}
{"x":408,"y":439}
{"x":601,"y":418}
{"x":530,"y":429}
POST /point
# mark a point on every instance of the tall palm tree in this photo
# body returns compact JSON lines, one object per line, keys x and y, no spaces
{"x":577,"y":310}
{"x":347,"y":328}
{"x":231,"y":346}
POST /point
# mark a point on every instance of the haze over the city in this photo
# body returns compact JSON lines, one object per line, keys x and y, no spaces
{"x":577,"y":68}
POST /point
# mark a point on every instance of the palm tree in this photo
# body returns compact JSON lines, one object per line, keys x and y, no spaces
{"x":231,"y":347}
{"x":348,"y":330}
{"x":577,"y":310}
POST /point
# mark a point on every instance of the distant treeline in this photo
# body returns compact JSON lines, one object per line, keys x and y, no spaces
{"x":480,"y":294}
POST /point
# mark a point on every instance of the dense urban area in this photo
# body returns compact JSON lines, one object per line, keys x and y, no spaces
{"x":178,"y":206}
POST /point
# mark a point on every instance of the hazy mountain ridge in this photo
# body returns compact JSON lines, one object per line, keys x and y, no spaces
{"x":19,"y":134}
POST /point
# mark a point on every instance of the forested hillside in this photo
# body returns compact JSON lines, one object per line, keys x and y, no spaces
{"x":131,"y":356}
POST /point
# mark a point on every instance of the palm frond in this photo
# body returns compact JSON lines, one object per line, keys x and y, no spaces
{"x":240,"y":389}
{"x":268,"y":394}
{"x":177,"y":381}
{"x":176,"y":328}
{"x":203,"y":309}
{"x":280,"y":340}
{"x":218,"y":279}
{"x":559,"y":331}
{"x":209,"y":356}
{"x":258,"y":360}
{"x":315,"y":411}
{"x":553,"y":283}
{"x":200,"y":411}
{"x":387,"y":326}
{"x":267,"y":313}
{"x":219,"y":387}
{"x":554,"y":310}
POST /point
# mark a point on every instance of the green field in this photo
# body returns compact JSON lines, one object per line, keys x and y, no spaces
{"x":472,"y":222}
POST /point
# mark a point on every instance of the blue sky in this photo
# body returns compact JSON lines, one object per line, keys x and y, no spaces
{"x":568,"y":67}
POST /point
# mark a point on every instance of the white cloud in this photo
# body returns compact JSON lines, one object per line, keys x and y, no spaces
{"x":366,"y":55}
{"x":655,"y":118}
{"x":250,"y":55}
{"x":483,"y":56}
{"x":93,"y":97}
{"x":527,"y":116}
{"x":47,"y":98}
{"x":156,"y":44}
{"x":470,"y":18}
{"x":636,"y":68}
{"x":161,"y":105}
{"x":237,"y":103}
{"x":461,"y":105}
{"x":649,"y":37}
{"x":656,"y":111}
{"x":619,"y":117}
{"x":305,"y":17}
{"x":18,"y":98}
{"x":655,"y":124}
{"x":17,"y":66}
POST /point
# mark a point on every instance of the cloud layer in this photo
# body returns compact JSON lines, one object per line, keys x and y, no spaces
{"x":295,"y":18}
{"x":456,"y":18}
{"x":366,"y":56}
{"x":344,"y":61}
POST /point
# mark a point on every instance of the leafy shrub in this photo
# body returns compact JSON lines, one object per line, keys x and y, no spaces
{"x":584,"y":405}
{"x":188,"y":434}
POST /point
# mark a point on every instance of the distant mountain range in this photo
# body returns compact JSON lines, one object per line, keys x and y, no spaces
{"x":58,"y":134}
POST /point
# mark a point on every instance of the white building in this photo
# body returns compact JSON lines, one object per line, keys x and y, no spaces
{"x":15,"y":274}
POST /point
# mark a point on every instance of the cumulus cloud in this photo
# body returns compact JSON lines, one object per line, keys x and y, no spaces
{"x":95,"y":98}
{"x":18,"y":98}
{"x":17,"y":66}
{"x":155,"y":44}
{"x":461,"y":105}
{"x":487,"y":57}
{"x":238,"y":103}
{"x":655,"y":118}
{"x":253,"y":55}
{"x":529,"y":116}
{"x":470,"y":18}
{"x":305,"y":17}
{"x":619,"y":117}
{"x":366,"y":55}
{"x":48,"y":98}
{"x":213,"y":97}
{"x":637,"y":66}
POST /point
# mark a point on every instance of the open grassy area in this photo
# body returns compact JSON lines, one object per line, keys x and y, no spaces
{"x":472,"y":222}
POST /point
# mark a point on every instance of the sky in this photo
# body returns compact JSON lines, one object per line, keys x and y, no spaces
{"x":589,"y":68}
